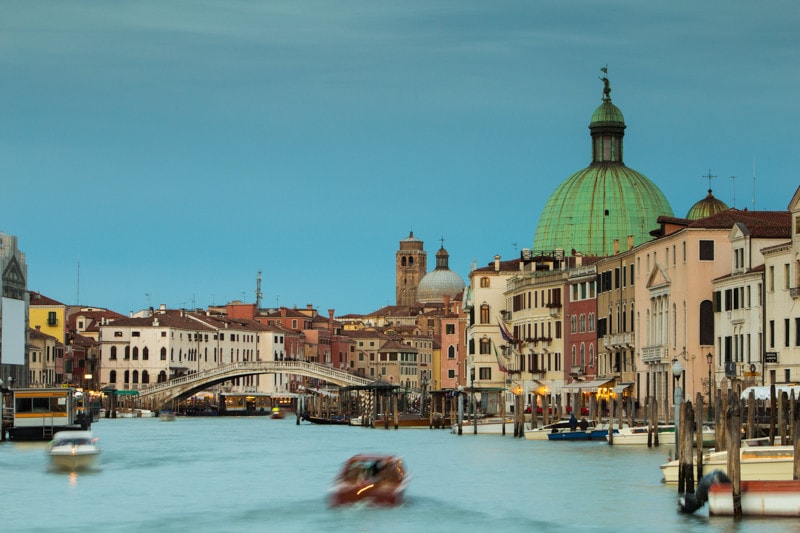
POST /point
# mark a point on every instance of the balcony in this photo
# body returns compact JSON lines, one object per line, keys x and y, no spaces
{"x":619,"y":340}
{"x":655,"y":354}
{"x":794,"y":292}
{"x":576,"y":371}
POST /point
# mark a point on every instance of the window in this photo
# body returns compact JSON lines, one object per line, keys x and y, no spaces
{"x":112,"y":376}
{"x":135,"y":333}
{"x":485,"y":314}
{"x":52,"y":319}
{"x":113,"y":354}
{"x":706,"y":250}
{"x":163,"y":353}
{"x":145,"y":353}
{"x":135,"y":353}
{"x":451,"y":374}
{"x":485,"y":282}
{"x":485,"y":373}
{"x":786,"y":276}
{"x":485,"y":346}
{"x":451,"y":352}
{"x":591,"y":322}
{"x":450,"y":329}
{"x":127,"y":355}
{"x":786,"y":332}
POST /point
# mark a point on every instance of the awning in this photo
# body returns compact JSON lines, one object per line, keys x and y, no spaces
{"x":586,"y":386}
{"x":618,"y":389}
{"x":762,"y":393}
{"x":126,"y":392}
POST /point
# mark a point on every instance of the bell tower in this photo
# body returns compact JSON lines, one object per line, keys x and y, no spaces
{"x":410,"y":267}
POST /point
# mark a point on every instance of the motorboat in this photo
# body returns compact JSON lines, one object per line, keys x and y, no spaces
{"x":542,"y":433}
{"x":598,"y":433}
{"x":637,"y":435}
{"x":277,"y":413}
{"x":755,"y":463}
{"x":166,"y":415}
{"x":379,"y":480}
{"x":756,"y":497}
{"x":73,"y":450}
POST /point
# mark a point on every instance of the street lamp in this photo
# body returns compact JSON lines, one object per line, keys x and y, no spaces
{"x":472,"y":391}
{"x":677,"y":399}
{"x":710,"y":359}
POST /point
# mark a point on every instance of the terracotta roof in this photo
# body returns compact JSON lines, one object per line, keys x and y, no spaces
{"x":41,"y":299}
{"x":761,"y":224}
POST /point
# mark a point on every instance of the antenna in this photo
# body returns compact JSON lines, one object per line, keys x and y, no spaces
{"x":258,"y":289}
{"x":78,"y":295}
{"x":733,"y":179}
{"x":754,"y":183}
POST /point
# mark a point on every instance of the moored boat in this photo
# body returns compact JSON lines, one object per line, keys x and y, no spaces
{"x":755,"y":463}
{"x":486,"y":426}
{"x":637,"y":435}
{"x":330,"y":420}
{"x":371,"y":479}
{"x":73,"y":450}
{"x":758,"y":498}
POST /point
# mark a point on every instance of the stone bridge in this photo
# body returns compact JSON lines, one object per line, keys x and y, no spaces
{"x":163,"y":394}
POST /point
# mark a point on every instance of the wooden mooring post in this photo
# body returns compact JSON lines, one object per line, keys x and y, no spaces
{"x":698,"y":417}
{"x":733,"y":416}
{"x":685,"y":427}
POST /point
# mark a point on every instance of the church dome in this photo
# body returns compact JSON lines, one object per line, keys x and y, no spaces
{"x":605,"y":201}
{"x":440,"y":282}
{"x":706,"y":207}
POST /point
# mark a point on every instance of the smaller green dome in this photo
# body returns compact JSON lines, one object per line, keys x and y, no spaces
{"x":706,"y":207}
{"x":607,"y":114}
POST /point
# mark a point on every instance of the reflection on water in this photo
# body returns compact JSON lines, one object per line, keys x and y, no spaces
{"x":259,"y":474}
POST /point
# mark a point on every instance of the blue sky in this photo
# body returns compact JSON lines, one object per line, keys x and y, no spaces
{"x":173,"y":149}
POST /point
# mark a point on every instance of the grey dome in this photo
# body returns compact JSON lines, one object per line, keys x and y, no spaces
{"x":440,"y":282}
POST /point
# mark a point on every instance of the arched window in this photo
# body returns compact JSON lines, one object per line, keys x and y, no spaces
{"x":706,"y":323}
{"x":145,"y":377}
{"x":113,"y":354}
{"x":163,"y":353}
{"x":485,"y":314}
{"x":574,"y":356}
{"x":135,"y":352}
{"x":574,"y":324}
{"x":583,"y":323}
{"x":410,"y":261}
{"x":485,"y":346}
{"x":145,"y":354}
{"x":127,"y":376}
{"x":162,"y":376}
{"x":127,"y":352}
{"x":451,"y":352}
{"x":403,"y":261}
{"x":136,"y":376}
{"x":591,"y":355}
{"x":112,"y":376}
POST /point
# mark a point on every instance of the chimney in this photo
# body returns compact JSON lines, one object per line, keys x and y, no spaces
{"x":497,"y":263}
{"x":447,"y":303}
{"x":616,"y":246}
{"x":578,"y":259}
{"x":630,"y":242}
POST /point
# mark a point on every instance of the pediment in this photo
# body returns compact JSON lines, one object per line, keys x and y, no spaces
{"x":658,"y":277}
{"x":12,"y":275}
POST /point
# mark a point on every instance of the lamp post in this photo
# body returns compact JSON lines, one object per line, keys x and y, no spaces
{"x":472,"y":392}
{"x":677,"y":400}
{"x":710,"y":359}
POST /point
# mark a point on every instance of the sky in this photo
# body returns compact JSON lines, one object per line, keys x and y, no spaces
{"x":167,"y":151}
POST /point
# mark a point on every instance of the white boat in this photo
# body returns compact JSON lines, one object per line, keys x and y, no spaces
{"x":73,"y":450}
{"x":486,"y":426}
{"x":758,"y":498}
{"x":637,"y":435}
{"x":774,"y":463}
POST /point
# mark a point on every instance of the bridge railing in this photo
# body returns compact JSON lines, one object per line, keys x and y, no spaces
{"x":314,"y":369}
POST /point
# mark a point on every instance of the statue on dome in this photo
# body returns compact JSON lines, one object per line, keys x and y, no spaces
{"x":606,"y":87}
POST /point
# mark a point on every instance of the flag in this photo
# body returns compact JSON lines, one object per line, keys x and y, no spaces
{"x":506,"y":334}
{"x":503,"y":368}
{"x":604,"y":70}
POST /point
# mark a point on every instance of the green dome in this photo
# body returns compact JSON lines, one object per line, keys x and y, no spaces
{"x":706,"y":207}
{"x":603,"y":202}
{"x":607,"y":114}
{"x":597,"y":205}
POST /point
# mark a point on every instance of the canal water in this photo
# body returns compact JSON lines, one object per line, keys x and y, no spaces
{"x":220,"y":474}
